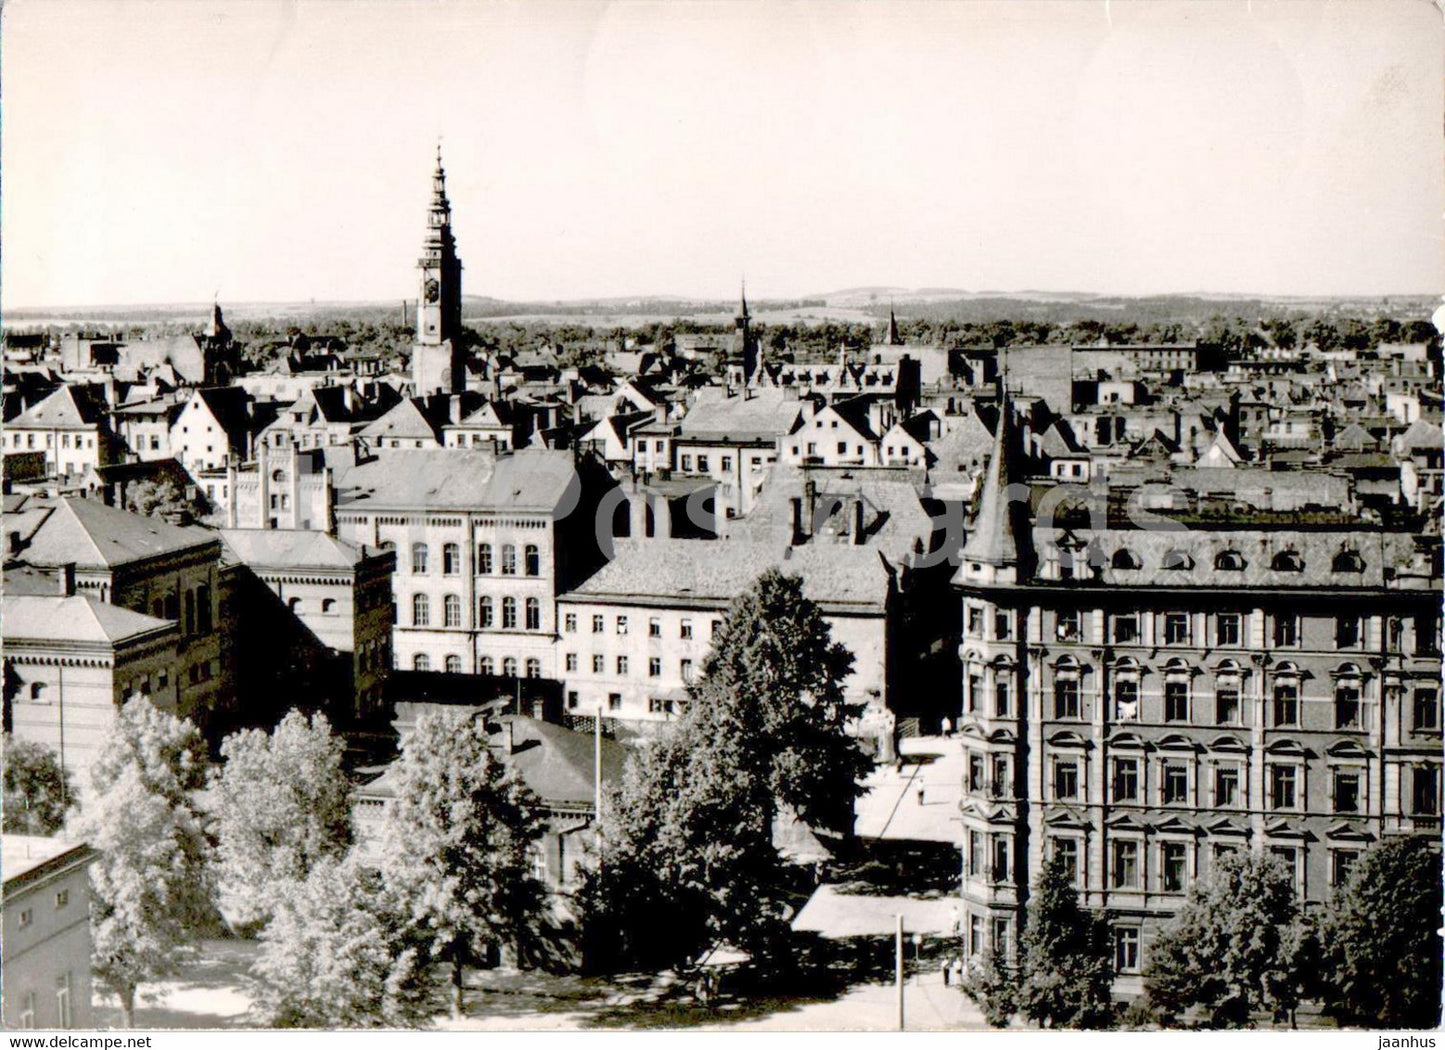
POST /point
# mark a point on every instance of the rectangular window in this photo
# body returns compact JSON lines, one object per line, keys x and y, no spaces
{"x":1002,"y":625}
{"x":975,"y":853}
{"x":1175,"y":785}
{"x":715,"y":627}
{"x":654,"y":628}
{"x":975,"y":773}
{"x":1125,"y":867}
{"x":569,"y":622}
{"x":614,"y":701}
{"x":685,"y":668}
{"x":1066,"y":698}
{"x":1173,"y":858}
{"x":975,"y":936}
{"x":1427,"y":709}
{"x":1001,"y":938}
{"x":27,"y":1007}
{"x":1346,"y":791}
{"x":1176,"y":628}
{"x":571,"y":661}
{"x":654,"y":667}
{"x":62,"y":1000}
{"x":1001,"y":698}
{"x":1347,"y":705}
{"x":975,"y":692}
{"x":1427,"y":635}
{"x":1067,"y":626}
{"x":1286,"y":630}
{"x":1426,"y":796}
{"x":62,"y":899}
{"x":1067,"y":852}
{"x":1341,"y":861}
{"x":1286,"y":703}
{"x":1066,"y":780}
{"x":1226,"y":702}
{"x":1226,"y":629}
{"x":1282,"y":783}
{"x":622,"y":625}
{"x":685,"y":629}
{"x":1126,"y":628}
{"x":1001,"y":787}
{"x":1176,"y":700}
{"x":727,"y":463}
{"x":686,"y":466}
{"x":975,"y":622}
{"x":1126,"y":780}
{"x":1226,"y":785}
{"x":1126,"y":949}
{"x":702,"y":465}
{"x":999,"y":859}
{"x":1347,"y":632}
{"x":1126,"y":700}
{"x":573,"y":700}
{"x":599,"y":664}
{"x":598,"y":625}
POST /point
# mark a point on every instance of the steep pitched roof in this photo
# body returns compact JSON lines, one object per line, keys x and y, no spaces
{"x":68,"y":406}
{"x":462,"y":479}
{"x":991,"y":541}
{"x":404,"y":421}
{"x":230,"y":405}
{"x":765,"y":415}
{"x":299,"y":548}
{"x":75,"y":618}
{"x":90,"y":534}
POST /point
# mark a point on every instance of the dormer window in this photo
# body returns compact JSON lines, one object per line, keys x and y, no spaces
{"x":1124,"y":558}
{"x":1348,"y":561}
{"x":1288,"y":561}
{"x":1177,"y":559}
{"x":1229,"y":561}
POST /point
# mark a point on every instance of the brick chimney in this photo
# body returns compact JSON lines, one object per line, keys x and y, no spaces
{"x":65,"y":580}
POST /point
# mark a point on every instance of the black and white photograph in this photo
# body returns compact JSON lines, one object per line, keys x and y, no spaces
{"x":735,"y":517}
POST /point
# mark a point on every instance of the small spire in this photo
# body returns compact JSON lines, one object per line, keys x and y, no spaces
{"x":992,"y":540}
{"x":743,"y":314}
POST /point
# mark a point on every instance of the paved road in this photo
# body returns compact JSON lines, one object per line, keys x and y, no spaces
{"x":892,"y":808}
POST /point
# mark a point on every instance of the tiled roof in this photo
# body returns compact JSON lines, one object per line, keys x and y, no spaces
{"x":663,"y":571}
{"x":90,"y":534}
{"x":77,"y":618}
{"x":298,"y":548}
{"x":458,"y":479}
{"x":68,"y":406}
{"x":405,"y":420}
{"x":765,"y":415}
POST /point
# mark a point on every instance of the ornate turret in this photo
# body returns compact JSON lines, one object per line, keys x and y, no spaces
{"x":991,"y":554}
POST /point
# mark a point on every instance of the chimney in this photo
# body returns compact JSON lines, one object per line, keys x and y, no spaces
{"x":511,"y":737}
{"x":797,"y":502}
{"x":12,"y":544}
{"x":65,"y":580}
{"x":810,"y":504}
{"x":858,"y":521}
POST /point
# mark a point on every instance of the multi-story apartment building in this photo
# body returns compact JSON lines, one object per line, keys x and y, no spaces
{"x":483,"y":544}
{"x":70,"y":426}
{"x":46,"y":932}
{"x":730,"y":439}
{"x":635,"y":634}
{"x":1141,"y":700}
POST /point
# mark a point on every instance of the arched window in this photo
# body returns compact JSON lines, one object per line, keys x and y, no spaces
{"x":1229,"y":561}
{"x":451,"y":559}
{"x":37,"y":692}
{"x":294,"y":604}
{"x":418,"y":558}
{"x":203,"y":609}
{"x":534,"y":667}
{"x":1288,"y":561}
{"x":509,"y":613}
{"x":484,"y":611}
{"x":1348,"y":561}
{"x":534,"y":614}
{"x":421,"y":662}
{"x":484,"y":665}
{"x":454,"y":664}
{"x":328,"y":605}
{"x":1178,"y":559}
{"x":1124,"y":558}
{"x":509,"y":560}
{"x":452,"y":611}
{"x":1348,"y":702}
{"x":484,"y":559}
{"x":278,"y":475}
{"x":533,"y":561}
{"x":420,"y":611}
{"x":509,"y":667}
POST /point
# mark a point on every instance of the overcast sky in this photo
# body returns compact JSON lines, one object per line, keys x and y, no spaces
{"x":166,"y":151}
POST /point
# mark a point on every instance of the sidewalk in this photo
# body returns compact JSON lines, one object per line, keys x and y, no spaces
{"x":891,"y":809}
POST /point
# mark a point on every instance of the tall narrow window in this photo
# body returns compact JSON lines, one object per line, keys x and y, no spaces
{"x":509,"y":613}
{"x":1126,"y":699}
{"x":534,"y":614}
{"x":1126,"y":780}
{"x":1066,"y":697}
{"x":453,"y":664}
{"x":452,"y":611}
{"x":1286,"y":702}
{"x":1173,"y":860}
{"x":532,"y":561}
{"x":1176,"y":699}
{"x":1226,"y":701}
{"x":1125,"y":857}
{"x":1346,"y":790}
{"x":1226,"y":629}
{"x":451,"y":559}
{"x":418,"y":558}
{"x":1347,"y":704}
{"x":484,"y":611}
{"x":420,"y":611}
{"x":484,"y":559}
{"x":509,"y":560}
{"x":1283,"y":782}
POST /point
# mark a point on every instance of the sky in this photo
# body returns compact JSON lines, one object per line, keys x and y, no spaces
{"x":157,"y":151}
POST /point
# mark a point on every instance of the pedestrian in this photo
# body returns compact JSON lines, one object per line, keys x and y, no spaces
{"x":947,"y":969}
{"x":920,"y":794}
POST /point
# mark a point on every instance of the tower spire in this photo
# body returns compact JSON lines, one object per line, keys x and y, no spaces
{"x":992,"y":544}
{"x":892,"y":338}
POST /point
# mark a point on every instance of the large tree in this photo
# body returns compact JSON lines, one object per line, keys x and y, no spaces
{"x":687,"y":857}
{"x":37,"y":789}
{"x":1066,"y":951}
{"x":338,"y":953}
{"x":1232,"y":947}
{"x":282,"y":803}
{"x":458,"y":844}
{"x":150,"y":885}
{"x":1382,"y":938}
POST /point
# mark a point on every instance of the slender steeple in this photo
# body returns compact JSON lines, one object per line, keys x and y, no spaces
{"x":437,"y":361}
{"x":991,"y":553}
{"x":892,"y":338}
{"x":744,"y":345}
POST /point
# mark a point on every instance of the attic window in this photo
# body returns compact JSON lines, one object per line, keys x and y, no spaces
{"x":1348,"y":561}
{"x":1229,"y":561}
{"x":1288,"y":561}
{"x":1177,"y":559}
{"x":1124,"y":558}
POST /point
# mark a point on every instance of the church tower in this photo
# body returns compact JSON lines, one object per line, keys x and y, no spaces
{"x":438,"y":364}
{"x":745,"y":345}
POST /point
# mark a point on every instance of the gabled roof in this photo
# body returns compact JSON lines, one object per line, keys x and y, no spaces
{"x":462,"y":479}
{"x":76,"y":618}
{"x":1422,"y":435}
{"x":297,"y":548}
{"x":68,"y":406}
{"x":92,"y":535}
{"x":405,"y":421}
{"x":766,"y":415}
{"x":230,"y":405}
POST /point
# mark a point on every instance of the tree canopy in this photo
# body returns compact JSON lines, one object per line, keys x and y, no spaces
{"x":282,"y":803}
{"x":458,"y":844}
{"x":150,"y":884}
{"x":688,"y":857}
{"x":1066,"y":950}
{"x":37,"y":789}
{"x":1383,"y":944}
